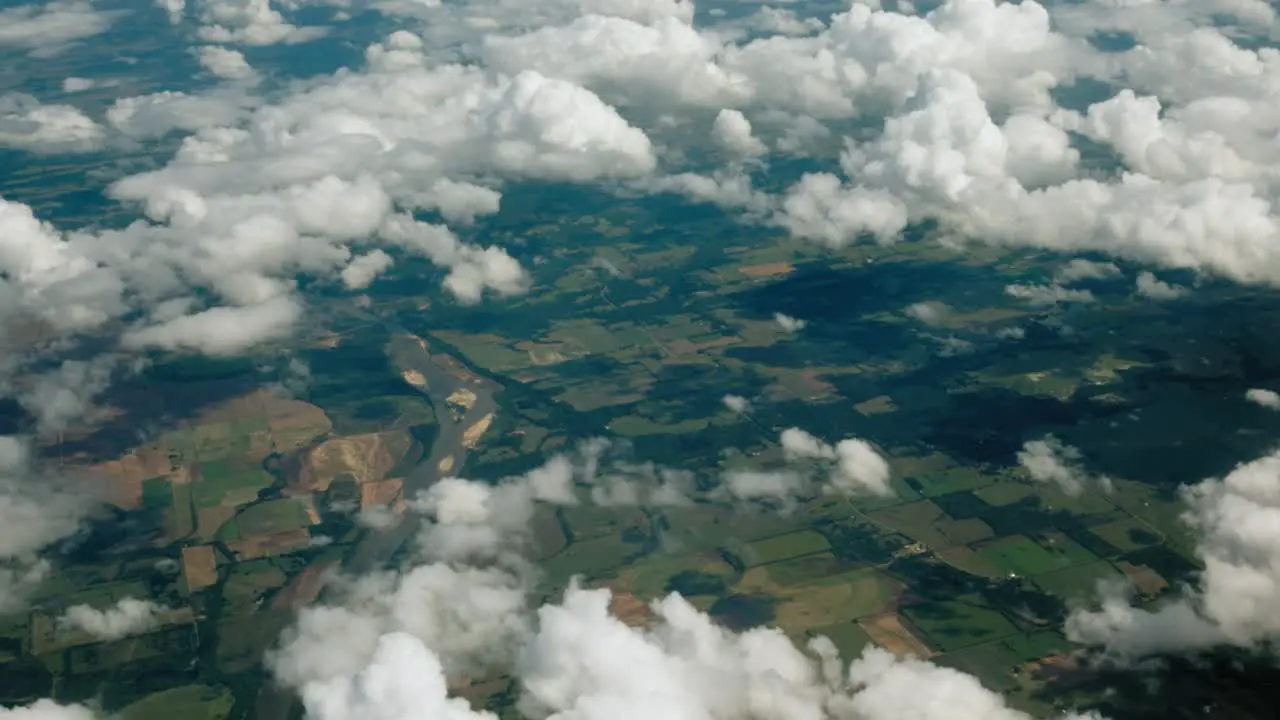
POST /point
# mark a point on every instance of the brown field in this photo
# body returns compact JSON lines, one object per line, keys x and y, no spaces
{"x":304,"y":588}
{"x":628,"y":608}
{"x":199,"y":567}
{"x":876,"y":406}
{"x":1148,"y":581}
{"x":258,"y":546}
{"x":800,"y":385}
{"x":381,"y":493}
{"x":124,"y":476}
{"x":888,"y":632}
{"x":367,"y":458}
{"x":766,"y":269}
{"x":209,"y":519}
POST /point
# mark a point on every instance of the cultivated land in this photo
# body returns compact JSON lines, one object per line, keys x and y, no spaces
{"x":248,"y":497}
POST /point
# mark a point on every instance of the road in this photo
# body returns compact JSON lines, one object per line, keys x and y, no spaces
{"x":444,"y":376}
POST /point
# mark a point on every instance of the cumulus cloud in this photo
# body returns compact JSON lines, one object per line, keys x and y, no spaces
{"x":47,"y":710}
{"x":363,"y":270}
{"x":850,"y":467}
{"x":1149,"y":286}
{"x":929,"y":312}
{"x":1268,"y":399}
{"x":225,"y":63}
{"x":583,"y":662}
{"x":736,"y":403}
{"x":788,"y":323}
{"x":26,"y":124}
{"x":1233,"y":599}
{"x":400,"y":641}
{"x":37,"y":510}
{"x":732,"y":132}
{"x":1080,"y":269}
{"x":1049,"y":460}
{"x":129,"y":616}
{"x":1045,"y":295}
{"x":46,"y":29}
{"x":466,"y":597}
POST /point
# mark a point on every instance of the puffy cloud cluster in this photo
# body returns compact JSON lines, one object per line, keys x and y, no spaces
{"x":1233,"y":600}
{"x":36,"y":510}
{"x":129,"y":616}
{"x":788,"y":323}
{"x":1269,"y":399}
{"x":582,"y":662}
{"x":47,"y":710}
{"x":46,"y":29}
{"x":399,"y":642}
{"x":26,"y":124}
{"x":1049,"y":460}
{"x":466,"y":597}
{"x":850,"y":467}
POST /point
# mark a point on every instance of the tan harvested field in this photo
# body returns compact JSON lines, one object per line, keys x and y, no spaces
{"x":367,"y":458}
{"x":876,"y":406}
{"x":199,"y":567}
{"x":888,"y":632}
{"x":382,"y":493}
{"x":1148,"y":581}
{"x":259,"y":546}
{"x":304,"y":588}
{"x":124,"y":476}
{"x":209,"y":519}
{"x":767,"y":269}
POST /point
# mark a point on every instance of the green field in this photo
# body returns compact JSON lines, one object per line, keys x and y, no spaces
{"x":849,"y":638}
{"x":594,"y":558}
{"x":1020,"y":556}
{"x":808,"y":568}
{"x":782,"y":547}
{"x":157,"y":493}
{"x":960,"y":623}
{"x":916,"y":520}
{"x":188,"y":701}
{"x":949,"y":480}
{"x":272,"y":516}
{"x":1078,"y":582}
{"x":1126,"y":535}
{"x":222,"y":478}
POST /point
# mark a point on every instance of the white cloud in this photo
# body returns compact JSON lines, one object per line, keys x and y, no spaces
{"x":47,"y":710}
{"x":225,"y":63}
{"x":584,"y":663}
{"x":46,"y":29}
{"x":1233,"y":598}
{"x":364,"y":269}
{"x":129,"y":616}
{"x":858,"y":468}
{"x":1269,"y":399}
{"x":1049,"y":460}
{"x":221,"y":330}
{"x":1149,"y":286}
{"x":929,"y":312}
{"x":788,"y":323}
{"x":1081,"y":269}
{"x":26,"y":124}
{"x":37,"y":510}
{"x":732,"y":132}
{"x":1043,"y":295}
{"x":736,"y":403}
{"x":248,"y":22}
